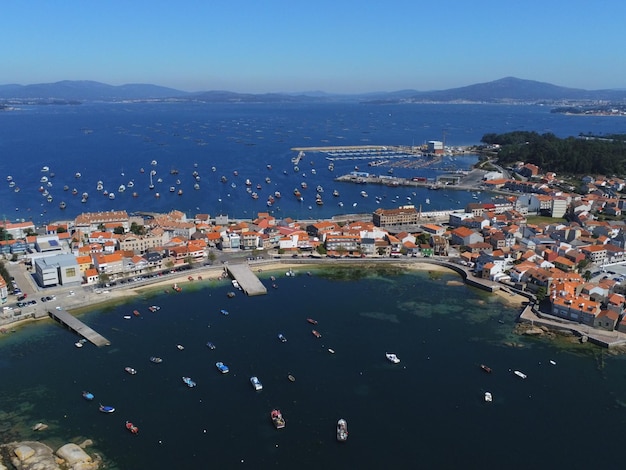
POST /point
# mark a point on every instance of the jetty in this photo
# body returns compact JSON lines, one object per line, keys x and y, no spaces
{"x":77,"y":326}
{"x":248,"y":281}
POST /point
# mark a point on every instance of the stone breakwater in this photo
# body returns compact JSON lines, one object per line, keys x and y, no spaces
{"x":33,"y":455}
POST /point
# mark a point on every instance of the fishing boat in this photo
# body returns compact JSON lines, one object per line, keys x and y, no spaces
{"x":277,"y":419}
{"x":316,"y":333}
{"x":88,"y":395}
{"x":256,"y":383}
{"x":106,"y":408}
{"x":488,"y":397}
{"x":210,"y":345}
{"x":132,"y":428}
{"x":155,"y":359}
{"x":342,"y":430}
{"x":130,"y":370}
{"x":485,"y":368}
{"x":282,"y":338}
{"x":190,"y":383}
{"x":223,"y":368}
{"x":520,"y":374}
{"x":311,"y":321}
{"x":391,"y":357}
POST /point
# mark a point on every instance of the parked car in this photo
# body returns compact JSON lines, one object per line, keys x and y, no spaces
{"x":21,"y":297}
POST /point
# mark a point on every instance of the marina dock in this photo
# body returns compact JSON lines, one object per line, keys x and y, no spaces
{"x":248,"y":281}
{"x":77,"y":326}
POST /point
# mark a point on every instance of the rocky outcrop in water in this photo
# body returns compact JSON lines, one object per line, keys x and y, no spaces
{"x":32,"y":455}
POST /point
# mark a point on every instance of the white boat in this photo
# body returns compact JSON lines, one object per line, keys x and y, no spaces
{"x":392,"y":358}
{"x":180,"y":347}
{"x":122,"y":188}
{"x":45,"y":168}
{"x":488,"y":397}
{"x":342,"y":430}
{"x":111,"y":196}
{"x":552,"y":362}
{"x":520,"y":374}
{"x":256,"y":383}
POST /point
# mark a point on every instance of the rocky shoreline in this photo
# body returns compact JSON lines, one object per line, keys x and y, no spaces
{"x":34,"y":455}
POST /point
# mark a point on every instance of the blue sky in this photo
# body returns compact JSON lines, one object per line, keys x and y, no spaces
{"x":334,"y":46}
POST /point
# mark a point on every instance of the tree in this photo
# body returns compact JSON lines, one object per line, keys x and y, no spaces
{"x":118,"y":230}
{"x":137,"y":229}
{"x":587,"y":275}
{"x":103,"y":278}
{"x":541,"y":294}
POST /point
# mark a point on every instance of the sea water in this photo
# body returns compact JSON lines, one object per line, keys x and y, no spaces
{"x":117,"y":143}
{"x":427,"y":411}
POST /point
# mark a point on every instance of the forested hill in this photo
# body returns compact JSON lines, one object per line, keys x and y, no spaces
{"x":581,"y":155}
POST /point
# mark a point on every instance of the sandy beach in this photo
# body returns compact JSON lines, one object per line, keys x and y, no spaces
{"x":81,"y":299}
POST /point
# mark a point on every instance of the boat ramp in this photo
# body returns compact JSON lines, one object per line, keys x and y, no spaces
{"x":247,"y":280}
{"x":77,"y":326}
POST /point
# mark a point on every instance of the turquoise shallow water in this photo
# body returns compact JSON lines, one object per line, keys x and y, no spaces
{"x":427,"y":411}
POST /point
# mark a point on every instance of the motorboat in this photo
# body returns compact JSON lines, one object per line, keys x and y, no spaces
{"x":282,"y":338}
{"x":224,"y":312}
{"x":132,"y":428}
{"x":180,"y":347}
{"x":342,"y":430}
{"x":392,"y":358}
{"x":256,"y":383}
{"x":155,"y":359}
{"x":210,"y":345}
{"x":106,"y":408}
{"x":331,"y":350}
{"x":312,"y":321}
{"x":223,"y":368}
{"x":230,"y":294}
{"x":520,"y":374}
{"x":154,"y":308}
{"x":552,"y":362}
{"x":488,"y":397}
{"x":78,"y":344}
{"x":291,"y":378}
{"x":316,"y":333}
{"x":88,"y":395}
{"x":136,"y":313}
{"x":130,"y":370}
{"x":190,"y":383}
{"x":485,"y":368}
{"x":277,"y":419}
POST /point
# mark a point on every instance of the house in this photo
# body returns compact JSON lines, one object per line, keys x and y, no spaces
{"x":465,"y":236}
{"x":606,"y":320}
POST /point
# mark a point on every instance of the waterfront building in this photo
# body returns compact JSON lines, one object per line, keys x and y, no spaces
{"x":407,"y":215}
{"x":60,"y":269}
{"x":92,"y":221}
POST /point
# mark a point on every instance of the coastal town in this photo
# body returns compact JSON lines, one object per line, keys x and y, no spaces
{"x":564,"y":263}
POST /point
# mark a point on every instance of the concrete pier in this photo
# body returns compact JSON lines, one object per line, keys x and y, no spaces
{"x":247,"y":280}
{"x":79,"y":327}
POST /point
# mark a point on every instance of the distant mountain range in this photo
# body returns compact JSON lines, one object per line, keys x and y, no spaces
{"x":505,"y":90}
